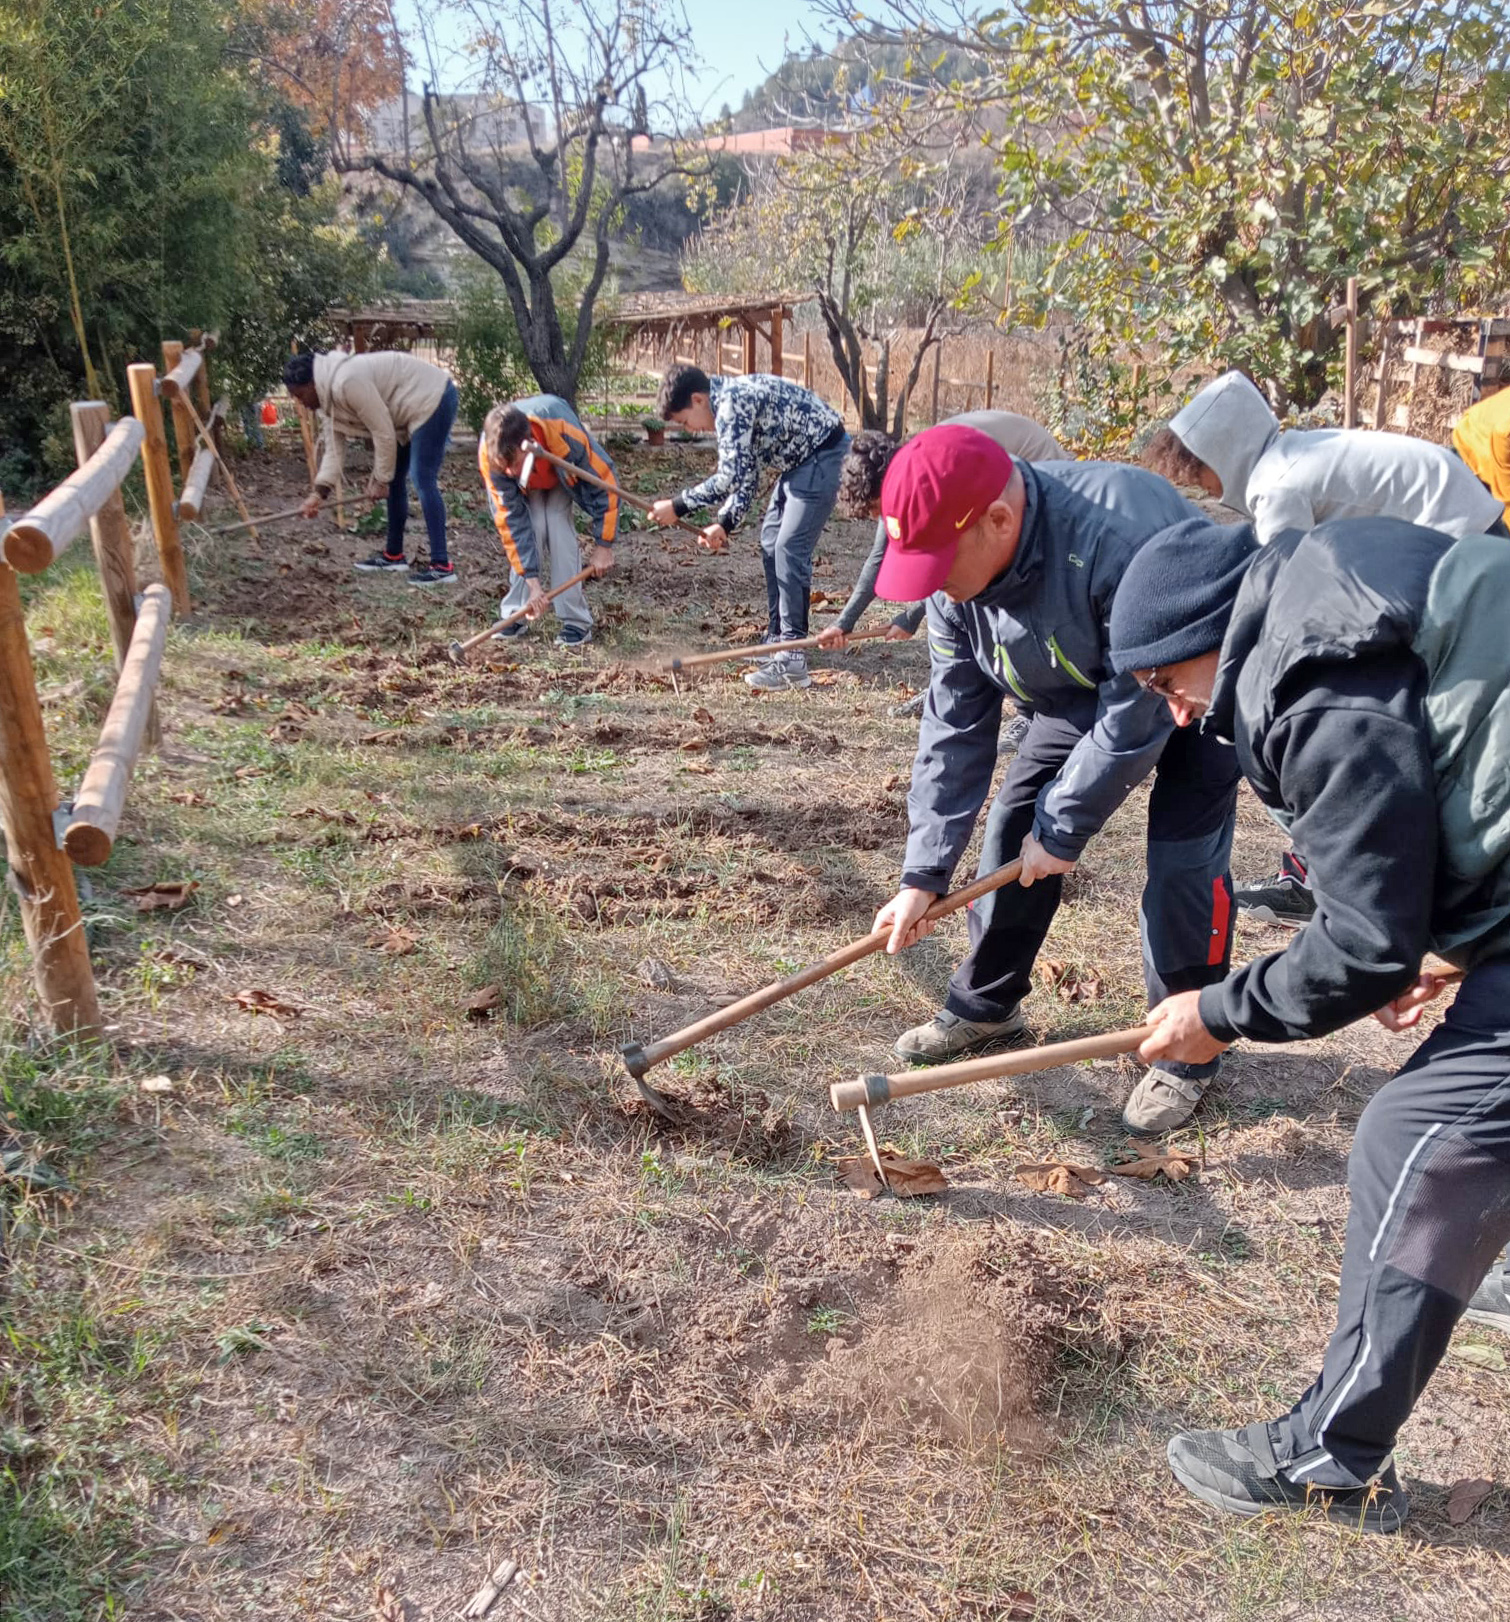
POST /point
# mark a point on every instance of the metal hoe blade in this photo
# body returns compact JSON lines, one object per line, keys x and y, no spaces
{"x":870,"y":1144}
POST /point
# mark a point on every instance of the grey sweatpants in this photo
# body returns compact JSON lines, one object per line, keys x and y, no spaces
{"x":801,"y":501}
{"x":1429,"y":1178}
{"x":561,"y":557}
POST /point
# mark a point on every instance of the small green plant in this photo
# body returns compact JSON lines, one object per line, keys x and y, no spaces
{"x":825,"y":1321}
{"x":240,"y":1338}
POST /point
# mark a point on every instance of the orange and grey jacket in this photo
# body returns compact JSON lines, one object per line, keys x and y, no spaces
{"x":555,"y":427}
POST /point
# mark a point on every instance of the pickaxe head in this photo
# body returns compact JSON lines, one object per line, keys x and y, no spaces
{"x":872,"y":1147}
{"x":634,"y":1059}
{"x":458,"y":653}
{"x":527,"y":471}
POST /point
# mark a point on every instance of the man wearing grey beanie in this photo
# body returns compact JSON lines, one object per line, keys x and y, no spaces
{"x":1362,"y":672}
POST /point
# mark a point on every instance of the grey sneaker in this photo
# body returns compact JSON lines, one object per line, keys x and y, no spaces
{"x":1166,"y":1097}
{"x":1491,"y":1301}
{"x":1238,"y":1471}
{"x":1013,"y":733}
{"x":947,"y":1036}
{"x":779,"y":673}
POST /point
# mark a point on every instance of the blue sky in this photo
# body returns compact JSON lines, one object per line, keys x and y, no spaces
{"x":737,"y":51}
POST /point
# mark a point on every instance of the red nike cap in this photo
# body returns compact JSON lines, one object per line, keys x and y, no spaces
{"x":937,"y":486}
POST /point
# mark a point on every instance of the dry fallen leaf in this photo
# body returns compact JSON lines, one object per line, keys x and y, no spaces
{"x":699,"y":768}
{"x":258,"y":1001}
{"x":907,"y":1179}
{"x":345,"y":818}
{"x":703,"y":717}
{"x":246,"y":773}
{"x":740,"y":634}
{"x":892,"y":782}
{"x":829,"y":678}
{"x":163,"y":897}
{"x":482,"y":1003}
{"x":693,"y":743}
{"x":1465,"y":1496}
{"x":1058,"y":1177}
{"x":1481,"y":1357}
{"x":190,"y":797}
{"x":285,"y":732}
{"x":1175,"y":1164}
{"x":380,"y":737}
{"x":395,"y":942}
{"x":1069,"y":982}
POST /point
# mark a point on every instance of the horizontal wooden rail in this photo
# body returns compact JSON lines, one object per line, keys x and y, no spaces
{"x":97,"y":811}
{"x":39,"y":537}
{"x":191,"y":501}
{"x":175,"y":386}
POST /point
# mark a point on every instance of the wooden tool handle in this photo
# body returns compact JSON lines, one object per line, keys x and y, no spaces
{"x":759,"y":650}
{"x":519,"y":614}
{"x":639,"y":503}
{"x":778,"y":990}
{"x":273,"y":518}
{"x":873,"y":1090}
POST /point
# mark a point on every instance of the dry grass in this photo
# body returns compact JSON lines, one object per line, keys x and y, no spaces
{"x":377,"y":1296}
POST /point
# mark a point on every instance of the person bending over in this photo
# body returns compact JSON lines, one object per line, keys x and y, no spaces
{"x":762,"y":422}
{"x":1362,"y":673}
{"x":406,"y":407}
{"x":532,"y":509}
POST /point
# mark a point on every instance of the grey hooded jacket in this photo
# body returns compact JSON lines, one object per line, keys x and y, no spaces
{"x":1039,"y":634}
{"x":1301,"y":478}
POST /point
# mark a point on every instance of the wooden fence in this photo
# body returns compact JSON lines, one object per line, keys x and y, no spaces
{"x":45,"y":838}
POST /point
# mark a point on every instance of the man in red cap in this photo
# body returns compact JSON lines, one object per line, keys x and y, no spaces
{"x":1020,"y":570}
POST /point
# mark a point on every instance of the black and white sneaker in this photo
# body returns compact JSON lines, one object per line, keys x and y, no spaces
{"x":1237,"y":1471}
{"x":434,"y":574}
{"x":574,"y":636}
{"x":1013,"y":733}
{"x":1284,"y":899}
{"x":381,"y":563}
{"x":1491,"y":1301}
{"x":509,"y":632}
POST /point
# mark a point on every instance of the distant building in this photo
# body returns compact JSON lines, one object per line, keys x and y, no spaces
{"x":486,"y":122}
{"x":781,"y":142}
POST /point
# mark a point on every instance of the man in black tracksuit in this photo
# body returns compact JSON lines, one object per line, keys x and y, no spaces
{"x":1363,"y":673}
{"x":1023,"y":564}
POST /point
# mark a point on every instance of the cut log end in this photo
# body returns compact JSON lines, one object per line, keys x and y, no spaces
{"x":86,"y":845}
{"x":28,"y":548}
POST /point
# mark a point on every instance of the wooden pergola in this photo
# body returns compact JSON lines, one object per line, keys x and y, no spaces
{"x":698,"y":323}
{"x":399,"y":324}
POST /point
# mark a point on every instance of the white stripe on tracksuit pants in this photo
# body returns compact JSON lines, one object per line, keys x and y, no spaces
{"x":1429,"y":1179}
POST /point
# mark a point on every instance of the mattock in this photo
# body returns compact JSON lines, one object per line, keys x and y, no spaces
{"x":638,"y":1058}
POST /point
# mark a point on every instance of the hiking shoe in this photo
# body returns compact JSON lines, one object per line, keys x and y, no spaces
{"x":1167,"y":1095}
{"x":947,"y":1036}
{"x":780,"y":672}
{"x":509,"y":632}
{"x":574,"y":636}
{"x":1237,"y":1471}
{"x":380,"y":563}
{"x":1013,"y":733}
{"x":434,"y":574}
{"x":1284,"y":899}
{"x":1491,"y":1301}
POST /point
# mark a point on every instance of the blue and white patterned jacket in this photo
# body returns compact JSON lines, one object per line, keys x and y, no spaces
{"x":760,"y":422}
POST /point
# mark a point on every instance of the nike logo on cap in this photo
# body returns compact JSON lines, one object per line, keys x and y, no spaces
{"x":966,"y":519}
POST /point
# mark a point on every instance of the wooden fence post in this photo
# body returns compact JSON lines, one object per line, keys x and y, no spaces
{"x":807,"y":360}
{"x":183,"y":429}
{"x":201,"y":383}
{"x":1350,"y":358}
{"x":110,"y":530}
{"x":149,"y":413}
{"x":41,"y":874}
{"x":1381,"y":395}
{"x":778,"y":337}
{"x":990,"y":377}
{"x":747,"y":358}
{"x":938,"y":352}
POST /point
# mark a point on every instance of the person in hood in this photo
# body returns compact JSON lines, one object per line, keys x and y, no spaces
{"x":1020,"y":570}
{"x":1229,"y":443}
{"x":1482,"y":439}
{"x":406,"y":407}
{"x":1362,"y":673}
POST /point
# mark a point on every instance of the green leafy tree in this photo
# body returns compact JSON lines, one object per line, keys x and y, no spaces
{"x":140,"y":196}
{"x":1203,"y":178}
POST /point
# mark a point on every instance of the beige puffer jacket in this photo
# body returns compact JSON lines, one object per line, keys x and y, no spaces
{"x":383,"y":396}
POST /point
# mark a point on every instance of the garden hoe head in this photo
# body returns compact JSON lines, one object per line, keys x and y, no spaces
{"x":636,"y":1062}
{"x":872,"y":1146}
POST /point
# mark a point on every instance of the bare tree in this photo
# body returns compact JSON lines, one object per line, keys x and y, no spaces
{"x":531,"y":161}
